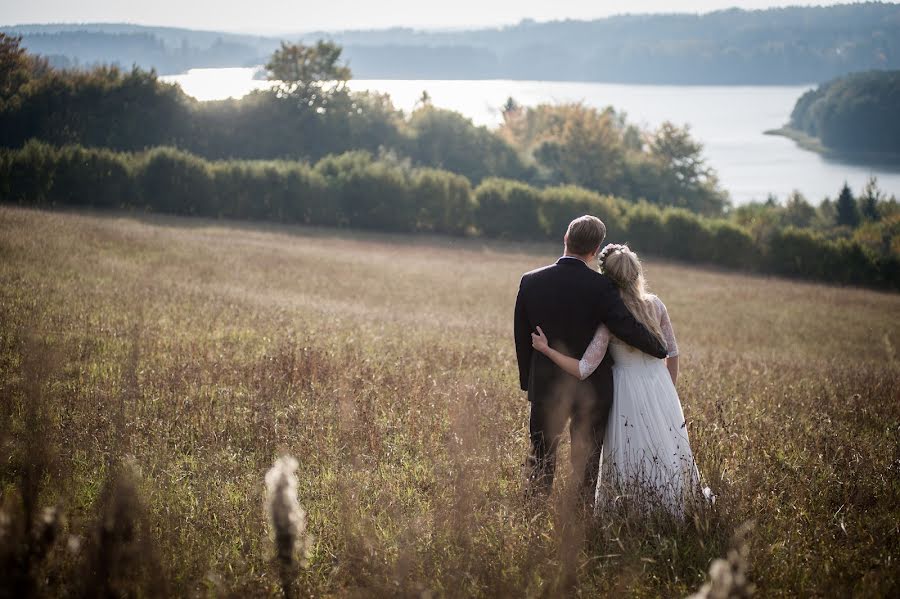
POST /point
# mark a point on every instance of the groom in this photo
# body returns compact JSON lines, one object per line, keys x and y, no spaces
{"x":569,"y":300}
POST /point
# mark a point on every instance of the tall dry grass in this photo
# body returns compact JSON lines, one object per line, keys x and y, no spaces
{"x":175,"y":360}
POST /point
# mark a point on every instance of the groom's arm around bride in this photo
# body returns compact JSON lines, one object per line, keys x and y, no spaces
{"x":570,"y":300}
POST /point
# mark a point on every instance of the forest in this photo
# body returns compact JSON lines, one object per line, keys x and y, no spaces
{"x":858,"y":113}
{"x":559,"y":144}
{"x":795,"y":45}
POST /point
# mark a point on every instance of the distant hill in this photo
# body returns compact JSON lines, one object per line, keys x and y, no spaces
{"x":167,"y":49}
{"x":775,"y":46}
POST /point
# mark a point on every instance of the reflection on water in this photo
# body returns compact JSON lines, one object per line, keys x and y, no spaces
{"x":728,"y":120}
{"x":217,"y":84}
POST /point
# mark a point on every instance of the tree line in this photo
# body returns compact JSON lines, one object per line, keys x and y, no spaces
{"x":868,"y":218}
{"x":303,"y":119}
{"x":857,"y":113}
{"x":359,"y":190}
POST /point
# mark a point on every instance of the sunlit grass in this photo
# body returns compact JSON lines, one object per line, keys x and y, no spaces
{"x":196,"y":352}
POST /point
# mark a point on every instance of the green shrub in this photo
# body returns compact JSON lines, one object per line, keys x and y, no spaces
{"x":508,"y":209}
{"x":560,"y":205}
{"x":686,"y":236}
{"x":355,"y":189}
{"x":370,"y":194}
{"x":797,"y":252}
{"x":307,"y":197}
{"x":733,"y":246}
{"x":176,"y":182}
{"x":852,"y":263}
{"x":801,"y":253}
{"x":644,"y":229}
{"x":444,"y":201}
{"x":888,"y":268}
{"x":93,"y":177}
{"x":29,"y":173}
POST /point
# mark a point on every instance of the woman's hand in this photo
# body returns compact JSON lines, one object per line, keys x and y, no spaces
{"x":539,"y":341}
{"x":567,"y":363}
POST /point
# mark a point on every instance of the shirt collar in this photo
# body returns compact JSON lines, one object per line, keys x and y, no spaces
{"x":564,"y":257}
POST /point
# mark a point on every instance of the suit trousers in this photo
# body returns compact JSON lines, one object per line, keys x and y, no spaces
{"x":587,"y":415}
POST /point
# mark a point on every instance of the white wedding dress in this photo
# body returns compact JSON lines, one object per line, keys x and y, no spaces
{"x":646,"y":454}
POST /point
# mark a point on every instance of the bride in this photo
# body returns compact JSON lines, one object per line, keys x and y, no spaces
{"x":646,"y":453}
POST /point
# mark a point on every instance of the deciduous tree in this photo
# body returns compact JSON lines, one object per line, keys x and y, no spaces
{"x":312,"y":75}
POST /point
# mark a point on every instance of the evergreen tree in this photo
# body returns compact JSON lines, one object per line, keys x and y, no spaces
{"x":847,"y":210}
{"x":870,"y":199}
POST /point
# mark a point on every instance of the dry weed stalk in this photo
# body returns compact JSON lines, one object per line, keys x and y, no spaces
{"x":123,"y":561}
{"x":728,"y":577}
{"x":28,"y":533}
{"x":287,"y":520}
{"x":24,"y":546}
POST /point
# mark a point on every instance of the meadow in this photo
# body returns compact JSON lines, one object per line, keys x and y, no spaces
{"x":153,"y":368}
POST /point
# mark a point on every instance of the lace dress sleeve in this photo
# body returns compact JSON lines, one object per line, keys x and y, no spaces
{"x":668,"y":332}
{"x":594,"y":353}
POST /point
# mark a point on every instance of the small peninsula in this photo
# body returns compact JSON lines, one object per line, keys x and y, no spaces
{"x":855,"y":117}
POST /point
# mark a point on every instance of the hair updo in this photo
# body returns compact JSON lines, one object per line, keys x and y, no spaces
{"x":620,"y":264}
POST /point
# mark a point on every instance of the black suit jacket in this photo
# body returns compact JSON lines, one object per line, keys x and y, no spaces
{"x":570,"y":301}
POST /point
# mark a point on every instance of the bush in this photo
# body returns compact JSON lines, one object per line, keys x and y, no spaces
{"x":508,"y":209}
{"x":354,"y":189}
{"x":644,"y":229}
{"x":104,"y":175}
{"x":176,"y":182}
{"x":444,"y":202}
{"x":560,"y":205}
{"x":852,"y":263}
{"x":686,"y":236}
{"x":801,"y":253}
{"x":371,"y":195}
{"x":797,"y":252}
{"x":733,"y":246}
{"x":888,"y":269}
{"x":28,"y":174}
{"x":307,"y":197}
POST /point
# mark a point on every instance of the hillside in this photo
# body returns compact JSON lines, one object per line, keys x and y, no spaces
{"x":192,"y":352}
{"x":796,"y":45}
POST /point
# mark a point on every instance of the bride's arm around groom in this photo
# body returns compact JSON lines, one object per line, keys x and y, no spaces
{"x":570,"y":300}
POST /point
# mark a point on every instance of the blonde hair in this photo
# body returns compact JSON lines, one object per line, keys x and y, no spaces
{"x":624,"y":268}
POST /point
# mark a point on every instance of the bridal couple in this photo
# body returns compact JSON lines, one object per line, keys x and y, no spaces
{"x":596,"y":349}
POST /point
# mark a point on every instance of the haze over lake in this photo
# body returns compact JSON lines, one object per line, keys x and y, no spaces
{"x":728,"y":120}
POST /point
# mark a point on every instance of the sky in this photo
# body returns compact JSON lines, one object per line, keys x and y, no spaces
{"x":274,"y":16}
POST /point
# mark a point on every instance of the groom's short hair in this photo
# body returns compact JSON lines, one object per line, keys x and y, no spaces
{"x":585,"y":234}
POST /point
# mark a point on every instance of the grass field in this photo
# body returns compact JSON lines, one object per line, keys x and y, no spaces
{"x":152,"y":369}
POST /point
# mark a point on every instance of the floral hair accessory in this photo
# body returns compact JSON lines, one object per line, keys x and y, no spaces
{"x":611,"y":250}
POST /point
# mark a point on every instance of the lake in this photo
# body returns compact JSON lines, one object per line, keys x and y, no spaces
{"x":728,"y":120}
